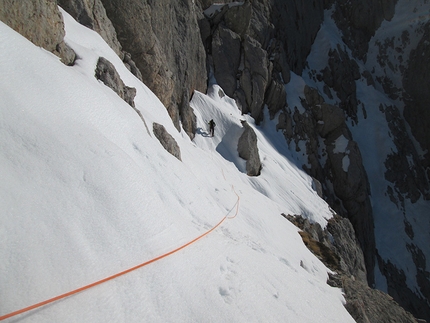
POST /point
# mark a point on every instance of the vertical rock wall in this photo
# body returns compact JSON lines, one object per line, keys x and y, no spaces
{"x":39,"y":21}
{"x":163,"y":39}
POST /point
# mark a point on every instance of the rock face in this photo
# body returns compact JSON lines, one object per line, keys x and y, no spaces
{"x":167,"y":141}
{"x":359,"y":21}
{"x":92,"y":14}
{"x":172,"y":60}
{"x":334,"y":159}
{"x":248,"y":150}
{"x":41,"y":22}
{"x":250,"y":60}
{"x":106,"y":72}
{"x":339,"y":249}
{"x":368,"y":305}
{"x":417,"y":85}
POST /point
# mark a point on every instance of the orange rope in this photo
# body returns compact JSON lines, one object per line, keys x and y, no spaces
{"x":51,"y":300}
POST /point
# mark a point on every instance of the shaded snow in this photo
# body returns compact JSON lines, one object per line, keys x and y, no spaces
{"x":372,"y":133}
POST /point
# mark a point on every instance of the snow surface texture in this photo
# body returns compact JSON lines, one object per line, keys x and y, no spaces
{"x":373,"y":134}
{"x":87,"y":192}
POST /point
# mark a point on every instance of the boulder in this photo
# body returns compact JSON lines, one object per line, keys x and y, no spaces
{"x":39,"y":21}
{"x":248,"y":150}
{"x":106,"y":72}
{"x":167,"y":141}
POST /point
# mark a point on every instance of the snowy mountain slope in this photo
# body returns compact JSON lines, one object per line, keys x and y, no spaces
{"x":372,"y":132}
{"x":87,"y":191}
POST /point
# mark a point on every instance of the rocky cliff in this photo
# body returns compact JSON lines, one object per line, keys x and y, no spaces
{"x":347,"y":84}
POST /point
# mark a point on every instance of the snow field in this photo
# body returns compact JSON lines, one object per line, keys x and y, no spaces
{"x":86,"y":192}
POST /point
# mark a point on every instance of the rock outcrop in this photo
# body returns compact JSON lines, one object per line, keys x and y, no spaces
{"x":92,"y":14}
{"x":106,"y":72}
{"x":167,"y":141}
{"x":367,"y":305}
{"x":248,"y":150}
{"x":39,"y":21}
{"x":334,"y":159}
{"x":417,"y":86}
{"x":337,"y":247}
{"x":359,"y":20}
{"x":247,"y":44}
{"x":172,"y":60}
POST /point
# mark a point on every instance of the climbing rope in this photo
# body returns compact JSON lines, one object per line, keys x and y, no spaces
{"x":122,"y":273}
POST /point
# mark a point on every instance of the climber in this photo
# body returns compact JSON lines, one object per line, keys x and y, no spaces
{"x":212,"y":127}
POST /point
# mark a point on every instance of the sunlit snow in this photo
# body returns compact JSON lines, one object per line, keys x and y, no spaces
{"x":88,"y":191}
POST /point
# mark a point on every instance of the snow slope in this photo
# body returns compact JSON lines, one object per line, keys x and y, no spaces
{"x":88,"y":191}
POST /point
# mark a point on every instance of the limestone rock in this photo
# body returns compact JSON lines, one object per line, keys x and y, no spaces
{"x":248,"y":150}
{"x":255,"y":76}
{"x":167,"y":141}
{"x":347,"y":247}
{"x":171,"y":59}
{"x":417,"y":84}
{"x":403,"y":166}
{"x":275,"y":97}
{"x":92,"y":14}
{"x":189,"y":120}
{"x":368,"y":305}
{"x":341,"y":74}
{"x":106,"y":72}
{"x":226,"y":58}
{"x":39,"y":21}
{"x":297,"y":24}
{"x":131,"y":66}
{"x":359,"y":20}
{"x":237,"y":18}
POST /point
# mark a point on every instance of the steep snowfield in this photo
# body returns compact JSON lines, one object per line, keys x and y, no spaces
{"x":88,"y":191}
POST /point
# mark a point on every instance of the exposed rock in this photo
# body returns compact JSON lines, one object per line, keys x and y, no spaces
{"x":339,"y":237}
{"x":39,"y":21}
{"x":237,"y":18}
{"x":131,"y":66}
{"x":275,"y":98}
{"x":189,"y":120}
{"x":399,"y":290}
{"x":337,"y":247}
{"x":281,"y":67}
{"x":255,"y":76}
{"x":346,"y":245}
{"x":297,"y":24}
{"x":106,"y":72}
{"x":359,"y":20}
{"x":248,"y":150}
{"x":368,"y":305}
{"x":167,"y":141}
{"x":341,"y":74}
{"x":171,"y":60}
{"x":226,"y":58}
{"x":335,"y":160}
{"x":92,"y":14}
{"x":403,"y":166}
{"x":417,"y":85}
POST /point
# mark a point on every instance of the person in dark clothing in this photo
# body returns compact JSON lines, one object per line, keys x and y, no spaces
{"x":212,"y":127}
